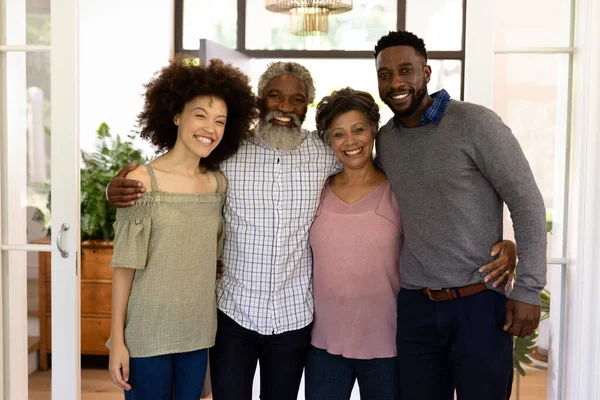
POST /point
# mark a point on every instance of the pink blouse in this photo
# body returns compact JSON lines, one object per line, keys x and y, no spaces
{"x":356,"y":250}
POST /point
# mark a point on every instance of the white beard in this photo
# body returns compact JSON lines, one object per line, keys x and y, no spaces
{"x":280,"y":137}
{"x":285,"y":138}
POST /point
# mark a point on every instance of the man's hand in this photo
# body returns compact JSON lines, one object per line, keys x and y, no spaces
{"x":521,"y":318}
{"x":503,"y":267}
{"x":124,"y":192}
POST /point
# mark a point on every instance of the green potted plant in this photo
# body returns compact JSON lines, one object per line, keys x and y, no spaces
{"x":111,"y":154}
{"x":98,"y":167}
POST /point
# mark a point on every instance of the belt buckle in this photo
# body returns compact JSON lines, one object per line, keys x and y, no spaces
{"x":429,"y":293}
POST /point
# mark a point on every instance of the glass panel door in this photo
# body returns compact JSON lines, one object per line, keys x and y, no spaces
{"x":39,"y":140}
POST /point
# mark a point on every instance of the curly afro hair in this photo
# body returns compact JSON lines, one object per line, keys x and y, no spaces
{"x":401,"y":38}
{"x":340,"y":102}
{"x":185,"y":79}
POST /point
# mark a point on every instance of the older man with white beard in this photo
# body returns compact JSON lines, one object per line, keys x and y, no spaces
{"x":264,"y":296}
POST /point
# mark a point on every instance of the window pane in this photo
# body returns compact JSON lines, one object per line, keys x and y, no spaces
{"x":27,"y":145}
{"x":438,"y":22}
{"x":532,"y":23}
{"x":446,"y":74}
{"x":38,"y":131}
{"x":330,"y":75}
{"x":535,"y":108}
{"x":38,"y":21}
{"x":27,"y":23}
{"x":358,"y":29}
{"x":213,"y":20}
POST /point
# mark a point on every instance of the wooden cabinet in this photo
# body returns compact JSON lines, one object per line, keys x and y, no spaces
{"x":96,"y":280}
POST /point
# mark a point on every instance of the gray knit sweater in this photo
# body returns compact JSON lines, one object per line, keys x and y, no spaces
{"x":450,"y":180}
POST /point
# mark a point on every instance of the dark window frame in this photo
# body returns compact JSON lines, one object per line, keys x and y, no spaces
{"x":332,"y":54}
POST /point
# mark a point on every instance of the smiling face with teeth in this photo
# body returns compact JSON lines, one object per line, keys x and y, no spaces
{"x":282,"y":112}
{"x":403,"y":75}
{"x":352,"y":138}
{"x":287,"y":94}
{"x":201,"y":124}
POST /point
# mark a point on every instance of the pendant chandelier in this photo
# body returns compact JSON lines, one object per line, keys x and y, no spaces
{"x":309,"y":17}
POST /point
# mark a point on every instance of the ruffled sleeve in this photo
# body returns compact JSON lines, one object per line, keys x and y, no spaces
{"x":132,"y":236}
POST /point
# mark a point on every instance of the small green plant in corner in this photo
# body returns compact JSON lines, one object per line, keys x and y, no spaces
{"x":98,"y":168}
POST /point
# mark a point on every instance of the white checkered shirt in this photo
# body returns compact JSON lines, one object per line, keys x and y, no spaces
{"x":271,"y":202}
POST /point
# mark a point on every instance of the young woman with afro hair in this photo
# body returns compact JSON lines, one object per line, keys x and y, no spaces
{"x":167,"y":244}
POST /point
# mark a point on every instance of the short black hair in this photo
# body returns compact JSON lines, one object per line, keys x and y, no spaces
{"x":340,"y":102}
{"x":185,"y":79}
{"x":401,"y":38}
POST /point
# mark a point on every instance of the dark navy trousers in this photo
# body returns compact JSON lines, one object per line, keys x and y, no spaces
{"x":453,"y":345}
{"x":237,"y":351}
{"x":332,"y":377}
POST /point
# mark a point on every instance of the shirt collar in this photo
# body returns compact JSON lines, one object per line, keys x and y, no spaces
{"x":434,"y":112}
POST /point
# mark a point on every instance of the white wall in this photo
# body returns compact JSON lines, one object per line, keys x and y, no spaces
{"x":122,"y":44}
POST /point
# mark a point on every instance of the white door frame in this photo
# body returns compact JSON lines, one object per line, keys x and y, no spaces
{"x":575,"y":343}
{"x":479,"y":52}
{"x":66,"y":381}
{"x":66,"y":329}
{"x":13,"y":264}
{"x":583,"y":331}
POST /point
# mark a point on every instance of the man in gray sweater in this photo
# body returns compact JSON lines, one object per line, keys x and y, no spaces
{"x":452,"y":165}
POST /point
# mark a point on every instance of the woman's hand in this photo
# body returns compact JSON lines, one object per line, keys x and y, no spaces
{"x":503,"y":267}
{"x":118,"y":365}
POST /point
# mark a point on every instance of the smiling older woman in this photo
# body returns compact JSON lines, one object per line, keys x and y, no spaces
{"x":356,"y":240}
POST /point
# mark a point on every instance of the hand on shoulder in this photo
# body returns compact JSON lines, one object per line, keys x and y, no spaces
{"x":141,"y":174}
{"x":123,"y":192}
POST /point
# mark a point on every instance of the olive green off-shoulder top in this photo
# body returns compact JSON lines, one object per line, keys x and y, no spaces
{"x":172,"y":240}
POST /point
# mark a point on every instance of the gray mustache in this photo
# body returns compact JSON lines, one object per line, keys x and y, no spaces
{"x":280,"y":114}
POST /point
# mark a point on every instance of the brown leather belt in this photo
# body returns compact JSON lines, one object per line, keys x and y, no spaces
{"x":438,"y":294}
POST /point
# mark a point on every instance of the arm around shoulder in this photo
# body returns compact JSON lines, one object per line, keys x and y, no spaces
{"x":140,"y":175}
{"x":122,"y":191}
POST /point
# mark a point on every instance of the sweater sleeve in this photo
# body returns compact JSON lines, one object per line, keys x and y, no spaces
{"x":499,"y":157}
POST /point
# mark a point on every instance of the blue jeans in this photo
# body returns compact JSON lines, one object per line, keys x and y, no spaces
{"x":457,"y":344}
{"x":331,"y":377}
{"x":178,"y":376}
